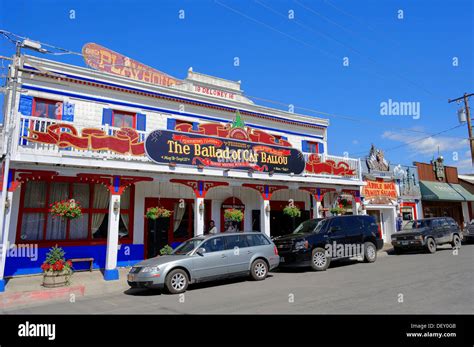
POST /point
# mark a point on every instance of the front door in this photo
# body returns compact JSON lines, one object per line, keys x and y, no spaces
{"x":213,"y":262}
{"x":157,"y":236}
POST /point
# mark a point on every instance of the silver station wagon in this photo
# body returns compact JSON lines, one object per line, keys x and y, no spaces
{"x":207,"y":258}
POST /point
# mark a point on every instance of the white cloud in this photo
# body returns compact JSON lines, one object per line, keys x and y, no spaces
{"x":427,"y":146}
{"x":464,"y":166}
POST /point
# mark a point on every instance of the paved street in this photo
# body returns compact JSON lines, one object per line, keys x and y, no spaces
{"x":430,"y":283}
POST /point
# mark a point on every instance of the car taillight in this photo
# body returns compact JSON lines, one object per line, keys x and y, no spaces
{"x":275,"y":250}
{"x":379,"y":230}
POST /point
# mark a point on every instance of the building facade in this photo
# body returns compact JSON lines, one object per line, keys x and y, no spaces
{"x":442,"y":193}
{"x":119,"y":146}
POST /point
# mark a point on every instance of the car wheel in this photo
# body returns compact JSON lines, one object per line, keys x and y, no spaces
{"x":177,"y":281}
{"x":456,"y":242}
{"x":319,"y":260}
{"x":431,"y":245}
{"x":259,"y":270}
{"x":370,"y":252}
{"x":133,"y":285}
{"x":397,"y":250}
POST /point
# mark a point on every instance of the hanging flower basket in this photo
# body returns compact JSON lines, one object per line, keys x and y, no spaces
{"x":292,"y":211}
{"x":234,"y":215}
{"x":56,"y":270}
{"x":157,"y":212}
{"x":337,"y":211}
{"x":67,"y":209}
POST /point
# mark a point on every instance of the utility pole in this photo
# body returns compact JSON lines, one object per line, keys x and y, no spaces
{"x":465,"y":97}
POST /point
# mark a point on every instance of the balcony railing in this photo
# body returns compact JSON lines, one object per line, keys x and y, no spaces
{"x":326,"y":165}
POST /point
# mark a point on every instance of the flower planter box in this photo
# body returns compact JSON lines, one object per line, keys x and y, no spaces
{"x":54,"y":279}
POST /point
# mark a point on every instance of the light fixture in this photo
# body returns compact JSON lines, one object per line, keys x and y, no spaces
{"x":7,"y":204}
{"x":267,"y":208}
{"x":200,"y":167}
{"x":116,"y":206}
{"x":201,"y":206}
{"x":172,"y":164}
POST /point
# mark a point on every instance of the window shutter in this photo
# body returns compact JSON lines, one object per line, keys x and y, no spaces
{"x":321,"y":147}
{"x":25,"y":105}
{"x":68,"y":112}
{"x":304,"y":146}
{"x":170,"y":123}
{"x":107,"y":116}
{"x":195,"y":126}
{"x":141,"y":122}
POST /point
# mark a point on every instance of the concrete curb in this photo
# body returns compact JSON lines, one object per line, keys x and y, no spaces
{"x":40,"y":296}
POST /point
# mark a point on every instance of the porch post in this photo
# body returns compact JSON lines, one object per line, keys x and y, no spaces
{"x":316,"y":207}
{"x":111,"y":272}
{"x":465,"y":212}
{"x":198,"y":216}
{"x":265,"y":217}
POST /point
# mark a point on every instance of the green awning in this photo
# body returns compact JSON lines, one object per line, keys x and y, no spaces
{"x":439,"y":191}
{"x":468,"y":196}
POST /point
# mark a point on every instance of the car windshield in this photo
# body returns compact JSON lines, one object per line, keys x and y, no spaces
{"x":417,"y":224}
{"x":306,"y":227}
{"x":187,"y":246}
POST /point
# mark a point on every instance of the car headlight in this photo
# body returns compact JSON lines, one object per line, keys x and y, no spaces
{"x":150,"y":269}
{"x":301,"y":245}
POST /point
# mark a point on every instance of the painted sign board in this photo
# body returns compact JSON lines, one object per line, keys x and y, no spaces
{"x":104,"y":59}
{"x":165,"y":147}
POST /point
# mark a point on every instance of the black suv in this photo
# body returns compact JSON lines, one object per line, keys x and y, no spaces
{"x":427,"y":234}
{"x":316,"y":242}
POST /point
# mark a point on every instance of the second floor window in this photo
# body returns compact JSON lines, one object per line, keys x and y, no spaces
{"x":313,"y":147}
{"x":122,"y":119}
{"x":47,"y":108}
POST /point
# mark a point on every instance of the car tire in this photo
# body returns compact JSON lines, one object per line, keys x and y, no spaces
{"x":431,"y":245}
{"x":259,"y":270}
{"x":370,"y":252}
{"x":397,"y":250}
{"x":133,"y":285}
{"x":177,"y":281}
{"x":319,"y":260}
{"x":456,"y":241}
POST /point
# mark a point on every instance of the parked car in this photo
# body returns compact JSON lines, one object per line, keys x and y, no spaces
{"x":468,"y":234}
{"x":316,"y":242}
{"x":207,"y":258}
{"x":427,"y":234}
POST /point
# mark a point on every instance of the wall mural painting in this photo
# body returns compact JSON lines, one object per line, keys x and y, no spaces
{"x":329,"y":167}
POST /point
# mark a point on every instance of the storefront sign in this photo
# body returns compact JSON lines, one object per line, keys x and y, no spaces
{"x":378,"y":189}
{"x":214,"y":92}
{"x":104,"y":59}
{"x":164,"y":147}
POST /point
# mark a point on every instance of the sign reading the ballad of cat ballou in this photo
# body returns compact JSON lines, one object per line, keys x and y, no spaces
{"x":165,"y":147}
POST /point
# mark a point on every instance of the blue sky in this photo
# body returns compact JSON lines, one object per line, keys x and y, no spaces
{"x":295,"y":61}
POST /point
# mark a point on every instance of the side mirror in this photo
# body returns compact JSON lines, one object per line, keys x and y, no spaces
{"x":200,"y":251}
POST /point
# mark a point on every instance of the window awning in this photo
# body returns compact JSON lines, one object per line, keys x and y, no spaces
{"x":444,"y":191}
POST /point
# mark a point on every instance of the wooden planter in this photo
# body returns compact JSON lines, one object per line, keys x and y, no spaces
{"x":54,"y":279}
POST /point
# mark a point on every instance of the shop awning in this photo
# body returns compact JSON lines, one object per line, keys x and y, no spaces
{"x":468,"y":196}
{"x":444,"y":191}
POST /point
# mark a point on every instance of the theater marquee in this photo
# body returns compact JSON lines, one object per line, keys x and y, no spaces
{"x":165,"y":147}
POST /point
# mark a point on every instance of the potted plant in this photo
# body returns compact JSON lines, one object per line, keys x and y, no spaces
{"x":233,"y":214}
{"x":154,"y":213}
{"x":56,"y":270}
{"x":166,"y":250}
{"x":337,"y":211}
{"x":67,"y":209}
{"x":292,"y":211}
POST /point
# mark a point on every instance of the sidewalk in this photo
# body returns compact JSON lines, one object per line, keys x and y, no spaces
{"x":27,"y":290}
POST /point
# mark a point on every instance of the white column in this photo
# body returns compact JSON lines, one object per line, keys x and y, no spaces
{"x":111,"y":272}
{"x":465,"y":211}
{"x":265,"y":217}
{"x":198,"y":216}
{"x":5,"y":244}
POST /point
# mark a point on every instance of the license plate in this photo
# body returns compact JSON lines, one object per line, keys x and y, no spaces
{"x":282,"y":259}
{"x":404,"y":242}
{"x":130,"y":277}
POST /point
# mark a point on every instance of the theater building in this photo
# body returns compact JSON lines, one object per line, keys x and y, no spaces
{"x":121,"y":141}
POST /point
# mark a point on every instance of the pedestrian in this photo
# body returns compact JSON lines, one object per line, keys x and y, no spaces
{"x":399,"y":222}
{"x":212,"y":227}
